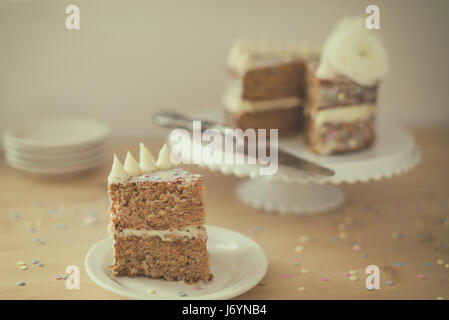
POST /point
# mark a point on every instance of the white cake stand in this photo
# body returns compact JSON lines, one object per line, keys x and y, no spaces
{"x":290,"y":191}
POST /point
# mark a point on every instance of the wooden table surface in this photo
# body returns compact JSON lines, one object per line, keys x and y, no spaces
{"x":401,"y":220}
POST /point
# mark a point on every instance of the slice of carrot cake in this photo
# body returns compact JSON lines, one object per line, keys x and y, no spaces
{"x":157,"y":219}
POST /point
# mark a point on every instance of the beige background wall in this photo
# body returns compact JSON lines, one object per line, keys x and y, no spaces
{"x":132,"y":58}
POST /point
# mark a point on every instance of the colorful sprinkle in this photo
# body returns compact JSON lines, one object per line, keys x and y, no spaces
{"x":370,"y":289}
{"x":446,"y":265}
{"x":426,"y":265}
{"x":299,"y":248}
{"x":304,"y":270}
{"x":35,"y":261}
{"x":399,"y":264}
{"x":181,"y":294}
{"x":151,"y":291}
{"x":352,"y":272}
{"x":23,"y":267}
{"x":346,"y":274}
{"x":301,"y":288}
{"x":324,"y":279}
{"x":58,"y":277}
{"x":353,"y":278}
{"x":440,"y":298}
{"x":21,"y":283}
{"x":40,"y":265}
{"x":20,"y":263}
{"x":439,"y":261}
{"x":197,"y":287}
{"x":65,"y":277}
{"x":296,"y":264}
{"x":422,"y":276}
{"x":389,"y":282}
{"x":287,"y":276}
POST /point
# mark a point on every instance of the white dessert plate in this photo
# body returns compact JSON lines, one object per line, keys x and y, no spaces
{"x":61,"y":133}
{"x":237,"y":262}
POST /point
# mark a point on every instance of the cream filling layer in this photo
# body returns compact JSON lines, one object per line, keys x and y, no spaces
{"x":190,"y":232}
{"x":238,"y":105}
{"x":354,"y":113}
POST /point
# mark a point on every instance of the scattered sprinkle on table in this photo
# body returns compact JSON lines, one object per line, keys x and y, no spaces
{"x":23,"y":267}
{"x":352,"y":272}
{"x":21,"y":283}
{"x":181,"y":294}
{"x":353,"y":278}
{"x":301,"y":288}
{"x":299,"y":248}
{"x":364,"y":254}
{"x":399,"y":264}
{"x":427,"y":265}
{"x":304,"y":270}
{"x":440,"y":298}
{"x":197,"y":287}
{"x":40,"y":265}
{"x":422,"y":276}
{"x":20,"y":263}
{"x":287,"y":276}
{"x":151,"y":291}
{"x":346,"y":274}
{"x":439,"y":261}
{"x":370,"y":289}
{"x":389,"y":282}
{"x":58,"y":277}
{"x":35,"y":261}
{"x":296,"y":264}
{"x":446,"y":265}
{"x":324,"y":279}
{"x":397,"y":235}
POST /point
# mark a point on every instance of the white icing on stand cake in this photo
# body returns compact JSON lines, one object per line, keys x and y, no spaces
{"x":353,"y":51}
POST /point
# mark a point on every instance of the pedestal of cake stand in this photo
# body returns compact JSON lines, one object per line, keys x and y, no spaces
{"x":289,"y":198}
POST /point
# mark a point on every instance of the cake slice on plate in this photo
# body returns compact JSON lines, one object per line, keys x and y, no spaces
{"x":157,"y":219}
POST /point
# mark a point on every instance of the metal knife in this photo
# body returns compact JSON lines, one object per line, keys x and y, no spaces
{"x":175,"y":120}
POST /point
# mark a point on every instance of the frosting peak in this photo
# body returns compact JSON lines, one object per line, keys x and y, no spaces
{"x":131,"y":165}
{"x":118,"y":173}
{"x":147,"y":162}
{"x":163,"y":160}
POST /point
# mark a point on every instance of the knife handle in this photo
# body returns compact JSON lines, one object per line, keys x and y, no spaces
{"x":175,"y":120}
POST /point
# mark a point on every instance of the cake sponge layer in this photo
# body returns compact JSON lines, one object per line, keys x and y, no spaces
{"x":157,"y":205}
{"x":182,"y":259}
{"x":287,"y":121}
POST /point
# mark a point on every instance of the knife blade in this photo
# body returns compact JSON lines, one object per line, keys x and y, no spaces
{"x":174,"y":120}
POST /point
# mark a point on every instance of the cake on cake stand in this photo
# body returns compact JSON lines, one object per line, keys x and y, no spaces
{"x":291,"y":191}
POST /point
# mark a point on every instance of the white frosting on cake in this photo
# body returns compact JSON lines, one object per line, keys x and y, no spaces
{"x":345,"y":114}
{"x":147,"y":162}
{"x":118,"y":173}
{"x":248,"y":55}
{"x":131,"y":166}
{"x":163,"y":160}
{"x":353,"y":51}
{"x":189,"y":232}
{"x":237,"y":105}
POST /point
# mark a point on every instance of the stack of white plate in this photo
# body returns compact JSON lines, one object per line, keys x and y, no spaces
{"x":57,"y":145}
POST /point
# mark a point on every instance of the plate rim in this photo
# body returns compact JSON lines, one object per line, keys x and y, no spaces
{"x":137,"y":296}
